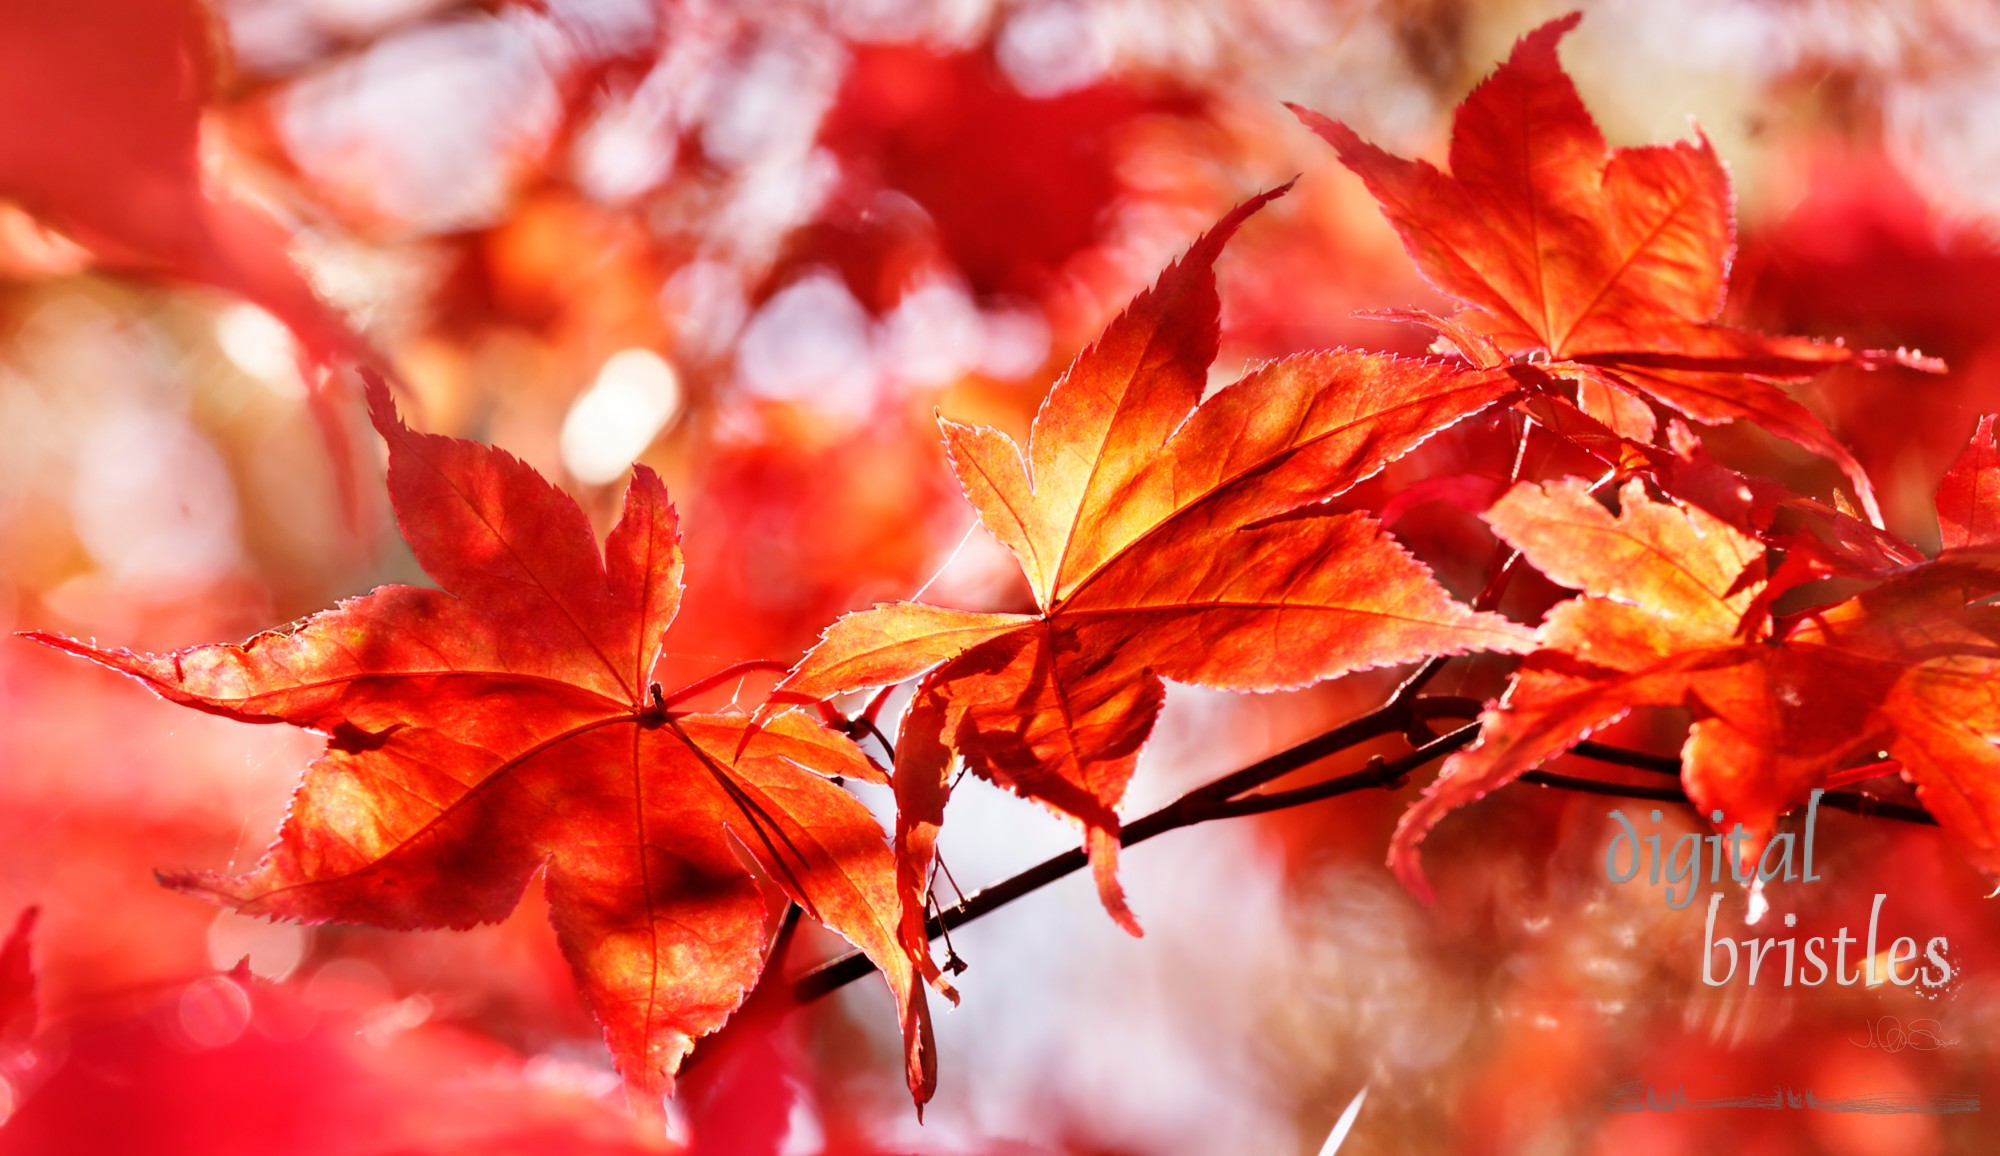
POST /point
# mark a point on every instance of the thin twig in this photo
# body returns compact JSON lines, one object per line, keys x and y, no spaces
{"x":1853,"y":802}
{"x":1600,"y":787}
{"x":1450,"y":706}
{"x":868,"y":726}
{"x":1381,"y":774}
{"x":1870,"y":807}
{"x":1618,"y":756}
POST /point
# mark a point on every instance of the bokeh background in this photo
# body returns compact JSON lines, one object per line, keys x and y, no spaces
{"x":757,"y":246}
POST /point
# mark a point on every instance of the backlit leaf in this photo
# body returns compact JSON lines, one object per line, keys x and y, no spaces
{"x":510,"y":723}
{"x":1164,"y":538}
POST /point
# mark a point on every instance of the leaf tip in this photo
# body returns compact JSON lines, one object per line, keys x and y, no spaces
{"x":1336,"y":133}
{"x":1538,"y":44}
{"x":1416,"y":822}
{"x":381,"y":403}
{"x":55,"y":641}
{"x":1408,"y":869}
{"x":1103,"y":849}
{"x":646,"y":480}
{"x":24,"y":924}
{"x":1916,"y":359}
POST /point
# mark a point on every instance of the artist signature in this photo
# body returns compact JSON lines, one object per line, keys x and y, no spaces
{"x":1889,"y":1034}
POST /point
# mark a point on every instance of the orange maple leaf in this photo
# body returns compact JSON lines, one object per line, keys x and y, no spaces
{"x":1674,"y":613}
{"x":1611,"y":263}
{"x":509,"y":723}
{"x":1163,"y":539}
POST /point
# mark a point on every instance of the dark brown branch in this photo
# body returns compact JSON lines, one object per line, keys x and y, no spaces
{"x":1388,"y":720}
{"x":1870,"y":807}
{"x":1388,"y":774}
{"x":1600,"y":787}
{"x":1450,"y":706}
{"x":1618,"y":756}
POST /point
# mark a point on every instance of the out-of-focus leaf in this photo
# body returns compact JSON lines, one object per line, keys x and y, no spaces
{"x":17,"y":986}
{"x":1013,"y":185}
{"x":102,"y":103}
{"x":222,"y":1067}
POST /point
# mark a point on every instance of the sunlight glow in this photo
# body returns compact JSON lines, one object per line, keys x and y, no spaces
{"x":157,"y":504}
{"x":634,"y":397}
{"x":260,"y":345}
{"x":214,"y":1012}
{"x":272,"y":949}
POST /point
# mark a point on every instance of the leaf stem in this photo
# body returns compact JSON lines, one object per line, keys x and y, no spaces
{"x":733,"y":671}
{"x":874,"y":709}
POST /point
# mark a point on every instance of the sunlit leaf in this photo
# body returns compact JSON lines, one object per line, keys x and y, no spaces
{"x":1163,"y":540}
{"x":509,"y":723}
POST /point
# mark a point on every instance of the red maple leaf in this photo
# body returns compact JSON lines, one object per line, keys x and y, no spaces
{"x":1163,"y":539}
{"x":509,"y":723}
{"x":1611,"y":264}
{"x":1674,"y":613}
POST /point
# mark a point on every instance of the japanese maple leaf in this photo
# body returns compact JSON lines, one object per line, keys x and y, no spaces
{"x":1910,"y":666}
{"x":509,"y":723}
{"x":1613,"y":263}
{"x":1162,"y":540}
